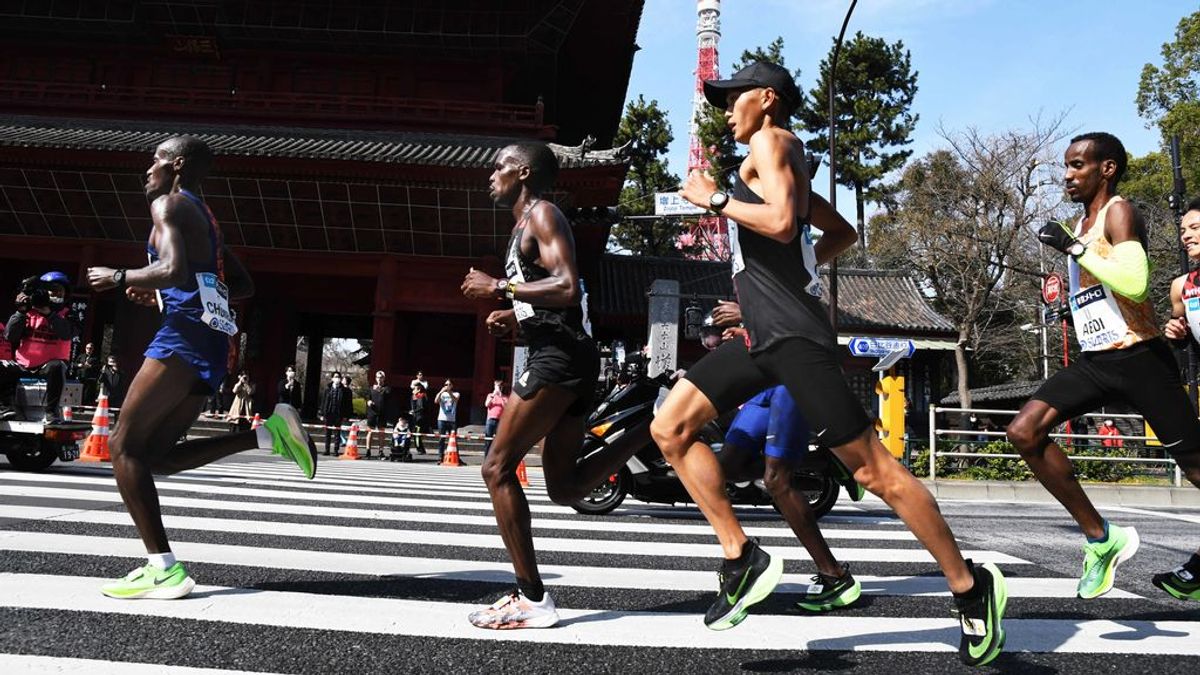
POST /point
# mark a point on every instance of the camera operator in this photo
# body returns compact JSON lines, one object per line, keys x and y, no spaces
{"x":41,"y":337}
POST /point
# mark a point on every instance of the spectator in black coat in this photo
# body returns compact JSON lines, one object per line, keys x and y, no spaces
{"x":112,"y":382}
{"x":289,"y":390}
{"x":381,"y":403}
{"x":336,"y":406}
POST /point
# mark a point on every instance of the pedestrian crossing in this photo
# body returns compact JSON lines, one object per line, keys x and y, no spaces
{"x":376,"y":567}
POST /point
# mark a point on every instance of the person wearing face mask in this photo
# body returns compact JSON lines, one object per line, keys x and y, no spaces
{"x":289,"y":389}
{"x":332,"y":411}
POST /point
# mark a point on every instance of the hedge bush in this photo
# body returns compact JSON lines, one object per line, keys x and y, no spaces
{"x":1009,"y":469}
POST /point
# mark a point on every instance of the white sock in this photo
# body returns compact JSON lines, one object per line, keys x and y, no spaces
{"x":265,"y":442}
{"x":161,"y":560}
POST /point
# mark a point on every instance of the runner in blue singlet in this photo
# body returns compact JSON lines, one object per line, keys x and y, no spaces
{"x":185,"y":362}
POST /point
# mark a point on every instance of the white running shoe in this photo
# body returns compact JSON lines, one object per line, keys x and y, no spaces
{"x":516,"y":611}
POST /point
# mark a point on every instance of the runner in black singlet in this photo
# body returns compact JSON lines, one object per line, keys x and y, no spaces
{"x":552,"y":397}
{"x":792,"y":343}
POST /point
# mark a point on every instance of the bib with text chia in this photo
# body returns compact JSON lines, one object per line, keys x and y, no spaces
{"x":214,"y":296}
{"x":1097,"y":318}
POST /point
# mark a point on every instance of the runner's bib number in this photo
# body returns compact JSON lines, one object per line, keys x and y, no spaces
{"x":214,"y":296}
{"x":735,"y":249}
{"x":1097,"y":318}
{"x":1192,"y":307}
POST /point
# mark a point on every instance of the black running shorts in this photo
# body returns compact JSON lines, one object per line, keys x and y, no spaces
{"x":1144,"y":376}
{"x":730,"y":375}
{"x":573,"y":365}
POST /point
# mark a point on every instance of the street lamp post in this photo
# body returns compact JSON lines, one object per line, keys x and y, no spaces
{"x":833,"y":265}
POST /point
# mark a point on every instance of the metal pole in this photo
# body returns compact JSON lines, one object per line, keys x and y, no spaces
{"x":1177,"y":198}
{"x":932,"y":442}
{"x":833,"y":265}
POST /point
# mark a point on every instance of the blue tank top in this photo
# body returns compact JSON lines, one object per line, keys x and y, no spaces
{"x":183,"y":302}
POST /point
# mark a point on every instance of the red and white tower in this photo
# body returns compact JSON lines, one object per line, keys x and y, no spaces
{"x":710,"y":231}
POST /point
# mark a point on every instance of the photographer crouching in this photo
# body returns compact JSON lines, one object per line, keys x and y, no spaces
{"x":40,"y":335}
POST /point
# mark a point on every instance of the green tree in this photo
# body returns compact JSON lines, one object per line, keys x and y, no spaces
{"x":875,"y":90}
{"x":645,"y":126}
{"x":1169,"y":95}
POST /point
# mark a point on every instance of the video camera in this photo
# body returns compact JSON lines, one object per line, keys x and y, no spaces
{"x":41,"y":294}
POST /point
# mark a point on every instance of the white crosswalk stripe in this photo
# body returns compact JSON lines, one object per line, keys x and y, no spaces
{"x":426,"y":539}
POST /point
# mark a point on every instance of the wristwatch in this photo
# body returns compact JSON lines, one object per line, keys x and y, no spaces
{"x":119,"y":278}
{"x":502,"y":287}
{"x":718,"y":200}
{"x":1076,"y":249}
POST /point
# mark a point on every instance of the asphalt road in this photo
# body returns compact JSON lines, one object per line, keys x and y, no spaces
{"x":374,"y":566}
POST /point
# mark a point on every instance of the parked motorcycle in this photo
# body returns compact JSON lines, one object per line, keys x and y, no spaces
{"x":623,"y":417}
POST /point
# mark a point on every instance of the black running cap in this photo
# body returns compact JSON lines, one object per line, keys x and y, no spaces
{"x":757,"y":74}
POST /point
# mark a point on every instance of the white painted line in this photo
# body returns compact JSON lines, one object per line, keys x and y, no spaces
{"x":1195,"y":520}
{"x":333,"y":512}
{"x":39,"y":665}
{"x":595,"y":627}
{"x":481,"y":570}
{"x":486,"y":541}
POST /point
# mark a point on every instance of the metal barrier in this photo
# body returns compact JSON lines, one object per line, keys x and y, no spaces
{"x":935,"y":432}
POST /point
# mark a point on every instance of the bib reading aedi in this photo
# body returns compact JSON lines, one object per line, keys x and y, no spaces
{"x":214,"y":297}
{"x":1098,"y":320}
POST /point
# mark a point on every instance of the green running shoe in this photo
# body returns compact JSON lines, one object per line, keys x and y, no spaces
{"x":1180,"y":583}
{"x":291,"y":440}
{"x":1100,"y":560}
{"x":828,"y":593}
{"x":151,"y":582}
{"x":742,"y":587}
{"x":981,"y":618}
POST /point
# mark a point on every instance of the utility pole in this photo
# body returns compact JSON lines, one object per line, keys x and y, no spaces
{"x":833,"y":265}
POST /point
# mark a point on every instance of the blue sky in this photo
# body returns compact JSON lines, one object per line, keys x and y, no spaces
{"x":988,"y":64}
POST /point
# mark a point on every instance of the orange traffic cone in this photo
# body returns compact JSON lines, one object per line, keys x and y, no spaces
{"x":522,"y":476}
{"x":256,"y":422}
{"x":95,"y":448}
{"x":452,"y":451}
{"x":351,"y":449}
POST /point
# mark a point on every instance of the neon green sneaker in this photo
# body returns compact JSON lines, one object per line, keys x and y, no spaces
{"x":845,"y":477}
{"x":1100,"y":560}
{"x":828,"y":593}
{"x":291,"y":440}
{"x":1180,"y":583}
{"x":151,"y":582}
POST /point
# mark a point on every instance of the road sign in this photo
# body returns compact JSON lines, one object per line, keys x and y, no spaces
{"x":1051,"y":288}
{"x":671,"y":204}
{"x":877,"y":347}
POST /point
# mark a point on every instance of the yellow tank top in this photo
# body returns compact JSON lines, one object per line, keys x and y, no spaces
{"x":1140,"y":322}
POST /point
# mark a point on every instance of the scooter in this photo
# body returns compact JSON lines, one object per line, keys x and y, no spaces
{"x":623,"y":418}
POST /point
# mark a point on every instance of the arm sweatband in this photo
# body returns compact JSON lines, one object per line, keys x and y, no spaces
{"x":1126,"y":271}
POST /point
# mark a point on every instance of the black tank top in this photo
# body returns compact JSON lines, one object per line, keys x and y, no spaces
{"x":540,"y":325}
{"x":777,"y":284}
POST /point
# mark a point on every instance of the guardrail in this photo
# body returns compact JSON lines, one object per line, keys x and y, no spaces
{"x":935,"y":433}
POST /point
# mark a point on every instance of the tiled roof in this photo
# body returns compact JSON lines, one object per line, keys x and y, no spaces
{"x":868,"y":300}
{"x":1009,"y":391}
{"x":426,"y":149}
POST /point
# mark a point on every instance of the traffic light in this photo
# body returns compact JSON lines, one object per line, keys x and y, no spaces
{"x":890,"y":423}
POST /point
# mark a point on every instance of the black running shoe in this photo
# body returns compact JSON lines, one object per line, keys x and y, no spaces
{"x":743,"y":586}
{"x":844,"y":477}
{"x":828,"y":593}
{"x":981,"y":617}
{"x":1180,"y":583}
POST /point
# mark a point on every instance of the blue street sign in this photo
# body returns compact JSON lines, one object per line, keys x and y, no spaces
{"x":879,"y":347}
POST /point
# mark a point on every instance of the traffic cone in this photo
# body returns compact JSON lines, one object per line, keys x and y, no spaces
{"x":351,"y":449}
{"x":452,"y":451}
{"x":522,"y":476}
{"x":256,"y":422}
{"x":95,"y":448}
